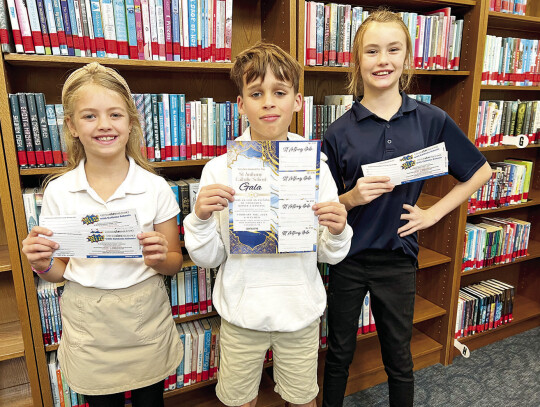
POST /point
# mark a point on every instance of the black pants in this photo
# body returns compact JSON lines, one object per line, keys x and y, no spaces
{"x":390,"y":277}
{"x":149,"y":396}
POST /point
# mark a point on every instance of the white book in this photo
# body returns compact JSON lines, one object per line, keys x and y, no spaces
{"x":51,"y":366}
{"x":167,"y":126}
{"x":184,"y":34}
{"x":187,"y":355}
{"x":160,"y":24}
{"x":30,"y":207}
{"x":80,"y":30}
{"x":228,"y":29}
{"x":181,"y":294}
{"x":153,"y":29}
{"x":200,"y":348}
{"x":147,"y":36}
{"x":198,"y":124}
{"x":365,"y":312}
{"x":107,"y":16}
{"x":14,"y":23}
{"x":180,"y":369}
{"x":35,"y":26}
{"x":88,"y":7}
{"x":194,"y":350}
{"x":24,"y":25}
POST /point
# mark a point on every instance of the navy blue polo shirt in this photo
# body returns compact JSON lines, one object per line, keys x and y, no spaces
{"x":361,"y":137}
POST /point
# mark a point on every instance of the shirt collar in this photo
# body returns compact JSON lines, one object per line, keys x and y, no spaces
{"x":407,"y":105}
{"x":130,"y":185}
{"x":246,"y":136}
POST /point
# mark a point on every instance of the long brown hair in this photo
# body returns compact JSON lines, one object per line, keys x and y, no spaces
{"x":97,"y":74}
{"x":381,"y":15}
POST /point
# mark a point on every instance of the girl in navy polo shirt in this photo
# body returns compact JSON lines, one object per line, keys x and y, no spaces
{"x":385,"y":123}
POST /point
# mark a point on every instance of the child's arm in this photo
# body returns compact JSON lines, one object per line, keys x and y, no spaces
{"x":161,"y":248}
{"x":419,"y":219}
{"x":366,"y":190}
{"x":39,"y":252}
{"x":202,"y":237}
{"x":335,"y":234}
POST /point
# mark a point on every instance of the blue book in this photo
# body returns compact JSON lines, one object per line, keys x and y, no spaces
{"x":42,"y":318}
{"x":223,"y":125}
{"x":98,"y":29}
{"x":182,"y":125}
{"x":59,"y":22}
{"x":161,"y":119}
{"x":174,"y":187}
{"x":189,"y":291}
{"x":215,"y":131}
{"x":175,"y":11}
{"x":74,"y":30}
{"x":175,"y":143}
{"x":55,"y":136}
{"x":195,"y":288}
{"x":167,"y":126}
{"x":180,"y":368}
{"x":236,"y":123}
{"x":120,"y":24}
{"x":174,"y":286}
{"x":155,"y":126}
{"x":427,"y":41}
{"x":228,"y":128}
{"x":131,"y":29}
{"x":192,"y":21}
{"x":148,"y":127}
{"x":67,"y":26}
{"x":207,"y":347}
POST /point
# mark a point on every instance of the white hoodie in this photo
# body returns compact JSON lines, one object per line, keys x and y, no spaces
{"x":273,"y":292}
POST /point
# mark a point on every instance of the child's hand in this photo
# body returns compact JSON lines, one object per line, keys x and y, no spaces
{"x":212,"y":198}
{"x":332,"y":215}
{"x":369,"y":188}
{"x":418,"y":219}
{"x":39,"y":250}
{"x":155,"y":247}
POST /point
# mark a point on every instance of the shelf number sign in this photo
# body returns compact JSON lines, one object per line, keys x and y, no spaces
{"x":520,"y":141}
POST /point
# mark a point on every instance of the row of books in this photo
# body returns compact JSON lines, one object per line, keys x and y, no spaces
{"x":185,"y":191}
{"x":499,"y":118}
{"x":511,"y":61}
{"x":508,"y":6}
{"x":317,"y":118}
{"x":37,"y":128}
{"x":200,"y":361}
{"x":164,"y":30}
{"x":509,"y":184}
{"x":62,"y":394}
{"x":175,"y":129}
{"x":48,"y":295}
{"x":493,"y":241}
{"x":190,"y":291}
{"x":330,"y":30}
{"x":483,"y":306}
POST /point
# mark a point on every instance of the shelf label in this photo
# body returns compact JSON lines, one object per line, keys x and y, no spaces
{"x":463,"y":349}
{"x":520,"y":141}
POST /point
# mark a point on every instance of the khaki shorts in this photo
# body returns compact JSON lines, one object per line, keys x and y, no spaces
{"x":242,"y":356}
{"x":117,"y":340}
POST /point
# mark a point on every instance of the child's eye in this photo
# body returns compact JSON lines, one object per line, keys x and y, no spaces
{"x":394,"y":49}
{"x":88,"y":116}
{"x":280,"y":93}
{"x":256,"y":94}
{"x":371,"y":51}
{"x":117,"y":115}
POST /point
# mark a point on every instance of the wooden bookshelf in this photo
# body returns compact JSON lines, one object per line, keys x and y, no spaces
{"x":439,"y":275}
{"x":11,"y":342}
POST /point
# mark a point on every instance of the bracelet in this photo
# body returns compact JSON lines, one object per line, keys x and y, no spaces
{"x":44,"y":271}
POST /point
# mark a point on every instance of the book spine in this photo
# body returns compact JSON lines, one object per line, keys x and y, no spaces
{"x":24,"y":24}
{"x":84,"y":33}
{"x":55,"y":137}
{"x":18,"y":131}
{"x":155,"y":122}
{"x":167,"y":127}
{"x":15,"y":28}
{"x":34,"y":125}
{"x":91,"y":36}
{"x":153,"y":30}
{"x":167,"y":21}
{"x":64,"y":10}
{"x":139,"y":29}
{"x":161,"y":123}
{"x":175,"y":141}
{"x":109,"y":32}
{"x":99,"y":33}
{"x":160,"y":23}
{"x":176,"y":27}
{"x":182,"y":125}
{"x":74,"y":25}
{"x":38,"y":25}
{"x":147,"y":33}
{"x":132,"y":29}
{"x":45,"y":137}
{"x":5,"y":33}
{"x":121,"y":29}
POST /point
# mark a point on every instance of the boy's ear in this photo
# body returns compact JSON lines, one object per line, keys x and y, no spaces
{"x":240,"y":103}
{"x":298,"y":102}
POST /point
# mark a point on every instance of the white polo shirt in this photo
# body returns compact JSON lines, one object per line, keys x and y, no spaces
{"x":147,"y":193}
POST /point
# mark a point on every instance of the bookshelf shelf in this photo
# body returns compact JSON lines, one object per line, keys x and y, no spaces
{"x":498,"y":148}
{"x":426,"y":201}
{"x":508,"y":87}
{"x":524,"y":310}
{"x":203,"y":395}
{"x":44,"y":61}
{"x":513,"y":22}
{"x":367,"y":370}
{"x":11,"y":341}
{"x":16,"y":396}
{"x":429,"y":258}
{"x":5,"y":262}
{"x":533,"y":200}
{"x":341,"y":70}
{"x":534,"y":253}
{"x":194,"y":317}
{"x":161,"y":164}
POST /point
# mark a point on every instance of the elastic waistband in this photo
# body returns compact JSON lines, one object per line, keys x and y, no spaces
{"x":92,"y":292}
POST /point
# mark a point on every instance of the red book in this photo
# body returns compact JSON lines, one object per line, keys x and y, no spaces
{"x":188,"y":131}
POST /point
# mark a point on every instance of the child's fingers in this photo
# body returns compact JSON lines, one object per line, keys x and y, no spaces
{"x":375,"y":179}
{"x":39,"y":230}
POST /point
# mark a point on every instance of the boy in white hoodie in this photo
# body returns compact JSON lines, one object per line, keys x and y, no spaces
{"x":267,"y":300}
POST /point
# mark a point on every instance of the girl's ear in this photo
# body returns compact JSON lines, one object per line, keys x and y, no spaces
{"x":71,"y":127}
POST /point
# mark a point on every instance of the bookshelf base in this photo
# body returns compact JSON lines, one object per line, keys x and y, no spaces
{"x":367,"y":369}
{"x":17,"y":396}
